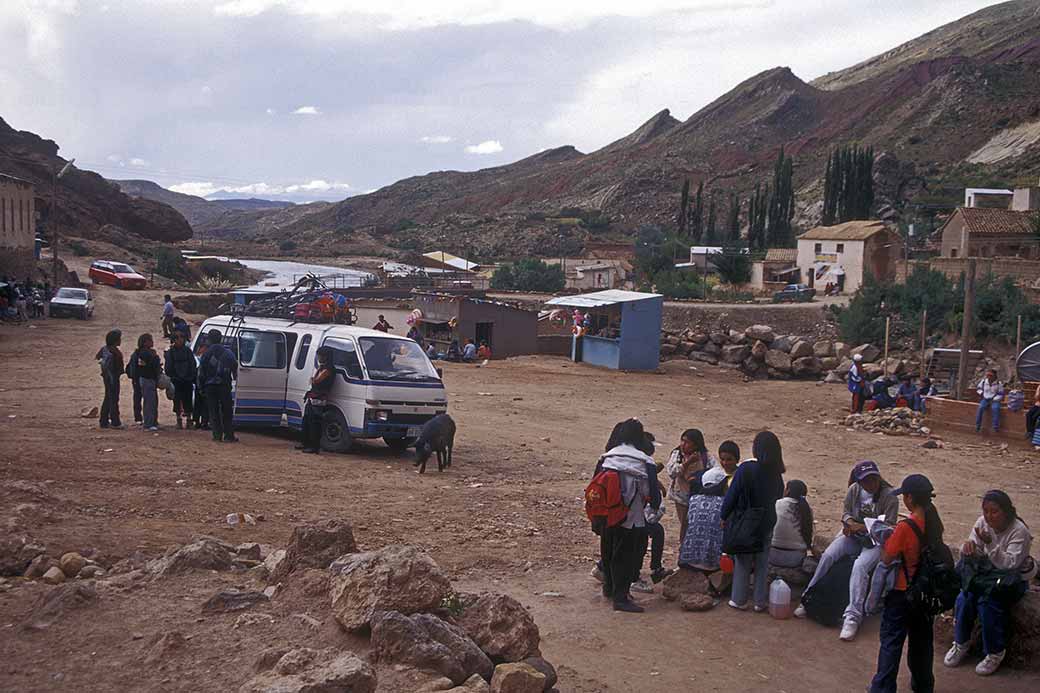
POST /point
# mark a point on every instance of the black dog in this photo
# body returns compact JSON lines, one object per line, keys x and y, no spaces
{"x":438,"y":434}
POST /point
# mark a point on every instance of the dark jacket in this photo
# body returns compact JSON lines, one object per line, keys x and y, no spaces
{"x":218,"y":366}
{"x":180,"y":364}
{"x":763,"y":487}
{"x":111,"y":360}
{"x":147,"y":365}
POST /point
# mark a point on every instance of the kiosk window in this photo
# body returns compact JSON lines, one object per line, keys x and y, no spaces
{"x":305,"y":347}
{"x":345,"y":357}
{"x":261,"y":349}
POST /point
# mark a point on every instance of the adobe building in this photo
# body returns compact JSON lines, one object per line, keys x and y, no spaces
{"x":994,"y":232}
{"x":843,"y":254}
{"x":17,"y":226}
{"x":508,"y":330}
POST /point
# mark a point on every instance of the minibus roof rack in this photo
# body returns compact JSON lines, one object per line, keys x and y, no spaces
{"x":310,"y":300}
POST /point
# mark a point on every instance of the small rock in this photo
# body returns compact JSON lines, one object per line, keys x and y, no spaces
{"x":39,"y":566}
{"x":91,"y":571}
{"x":696,"y":602}
{"x":54,"y":576}
{"x":517,"y":677}
{"x":233,"y":600}
{"x":72,"y":563}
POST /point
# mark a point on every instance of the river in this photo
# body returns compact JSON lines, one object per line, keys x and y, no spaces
{"x":283,"y":273}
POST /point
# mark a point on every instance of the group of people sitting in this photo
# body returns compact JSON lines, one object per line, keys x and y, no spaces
{"x":885,"y":392}
{"x":876,"y":552}
{"x":469,"y":353}
{"x":21,"y":301}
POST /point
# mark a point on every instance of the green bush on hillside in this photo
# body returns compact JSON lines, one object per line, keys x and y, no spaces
{"x":529,"y":274}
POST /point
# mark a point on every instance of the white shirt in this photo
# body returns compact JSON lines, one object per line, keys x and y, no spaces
{"x":990,"y":390}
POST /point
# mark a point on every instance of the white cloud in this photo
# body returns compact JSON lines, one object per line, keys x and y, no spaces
{"x":485,"y":147}
{"x":312,"y":187}
{"x":317,"y":186}
{"x":206,"y":89}
{"x":200,"y":189}
{"x":436,"y":139}
{"x":307,"y":110}
{"x":138,"y":162}
{"x":269,"y":111}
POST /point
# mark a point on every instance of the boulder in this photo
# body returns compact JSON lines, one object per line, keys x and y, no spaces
{"x":204,"y":553}
{"x":806,"y":366}
{"x":844,"y":367}
{"x":872,"y":371}
{"x":685,"y":348}
{"x":778,"y":360}
{"x":761,"y":332}
{"x":54,"y":605}
{"x":699,"y":338}
{"x":165,"y":646}
{"x":426,"y":642}
{"x":517,"y":677}
{"x":696,"y":602}
{"x":671,"y":339}
{"x":668,"y":349}
{"x":90,"y":571}
{"x":830,"y":362}
{"x":823,"y":348}
{"x":395,"y":578}
{"x":704,"y":356}
{"x":759,"y":351}
{"x":71,"y":563}
{"x":16,"y":553}
{"x":719,"y":338}
{"x":736,"y":337}
{"x":684,"y":581}
{"x":783,"y":343}
{"x":841,"y":350}
{"x":801,"y":349}
{"x":474,"y":684}
{"x":315,"y":546}
{"x":315,"y":671}
{"x":548,"y":670}
{"x":54,"y":576}
{"x":712,"y":348}
{"x":250,"y":551}
{"x":834,"y":377}
{"x":500,"y":626}
{"x":869,"y":352}
{"x":735,"y":353}
{"x":893,"y":366}
{"x":273,"y":560}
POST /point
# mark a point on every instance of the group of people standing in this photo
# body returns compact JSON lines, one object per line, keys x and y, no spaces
{"x":742,"y":511}
{"x":21,"y":301}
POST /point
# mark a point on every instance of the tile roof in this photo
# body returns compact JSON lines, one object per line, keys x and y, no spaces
{"x":981,"y":220}
{"x":782,"y":255}
{"x":849,"y":231}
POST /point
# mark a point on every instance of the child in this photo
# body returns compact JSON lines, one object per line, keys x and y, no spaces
{"x":701,"y":548}
{"x":793,"y":533}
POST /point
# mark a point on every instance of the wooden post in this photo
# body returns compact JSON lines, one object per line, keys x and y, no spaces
{"x":969,"y":304}
{"x":888,"y":321}
{"x":924,"y":342}
{"x":1018,"y":338}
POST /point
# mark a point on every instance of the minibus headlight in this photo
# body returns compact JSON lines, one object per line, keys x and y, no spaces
{"x":379,"y":415}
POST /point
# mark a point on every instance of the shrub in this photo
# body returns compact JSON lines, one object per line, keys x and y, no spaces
{"x":288,"y":245}
{"x":78,"y":248}
{"x":678,"y":284}
{"x":169,"y":262}
{"x":529,"y":274}
{"x":733,"y":264}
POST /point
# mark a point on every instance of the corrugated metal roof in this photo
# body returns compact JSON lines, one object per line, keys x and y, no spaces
{"x":451,"y":260}
{"x":599,"y":299}
{"x":849,"y":231}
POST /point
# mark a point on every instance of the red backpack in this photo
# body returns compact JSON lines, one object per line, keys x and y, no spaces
{"x":603,"y":501}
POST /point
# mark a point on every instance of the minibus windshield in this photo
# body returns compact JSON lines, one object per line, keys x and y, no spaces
{"x":396,"y":359}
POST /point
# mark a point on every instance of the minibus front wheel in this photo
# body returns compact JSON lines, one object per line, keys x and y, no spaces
{"x":335,"y":436}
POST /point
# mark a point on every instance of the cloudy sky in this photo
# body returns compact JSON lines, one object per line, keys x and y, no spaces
{"x":320,"y":99}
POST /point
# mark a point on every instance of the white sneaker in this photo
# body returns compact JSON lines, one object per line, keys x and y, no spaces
{"x":956,"y":655}
{"x":739,"y":607}
{"x":642,"y":586}
{"x":800,"y":612}
{"x":849,"y":630}
{"x":597,"y":573}
{"x":990,"y":664}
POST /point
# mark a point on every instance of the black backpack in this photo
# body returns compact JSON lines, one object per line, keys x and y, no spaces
{"x":936,"y":584}
{"x":825,"y":601}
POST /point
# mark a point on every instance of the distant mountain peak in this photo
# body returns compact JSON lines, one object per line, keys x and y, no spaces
{"x":659,"y":124}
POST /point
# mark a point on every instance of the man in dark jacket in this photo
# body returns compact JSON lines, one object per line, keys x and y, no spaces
{"x":180,"y":367}
{"x":216,"y":371}
{"x":111,"y":360}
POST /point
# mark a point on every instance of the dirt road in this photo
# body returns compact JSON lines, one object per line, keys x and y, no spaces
{"x":507,"y":517}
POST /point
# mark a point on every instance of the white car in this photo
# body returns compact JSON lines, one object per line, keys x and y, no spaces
{"x":72,"y":302}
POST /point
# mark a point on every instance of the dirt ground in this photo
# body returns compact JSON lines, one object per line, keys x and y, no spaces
{"x":506,"y":517}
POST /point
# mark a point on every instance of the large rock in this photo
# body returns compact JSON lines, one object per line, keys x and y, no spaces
{"x":834,"y":377}
{"x":801,"y":349}
{"x":844,"y":367}
{"x":684,"y":581}
{"x":703,"y":356}
{"x":823,"y":348}
{"x":315,"y":671}
{"x":760,"y":332}
{"x":806,"y":366}
{"x":830,"y":362}
{"x":778,"y":360}
{"x":315,"y":546}
{"x":696,"y":602}
{"x":548,"y":670}
{"x":736,"y":337}
{"x":54,"y":605}
{"x":699,"y":338}
{"x":893,"y":365}
{"x":872,"y":371}
{"x":71,"y":563}
{"x":517,"y":677}
{"x":719,"y":338}
{"x":735,"y":353}
{"x":841,"y":350}
{"x":712,"y":348}
{"x":426,"y":642}
{"x":39,"y":566}
{"x":759,"y":351}
{"x":474,"y":684}
{"x":16,"y":553}
{"x":783,"y":343}
{"x":395,"y":578}
{"x":869,"y":352}
{"x":668,"y":349}
{"x":233,"y":600}
{"x":204,"y":553}
{"x":54,"y":576}
{"x":501,"y":626}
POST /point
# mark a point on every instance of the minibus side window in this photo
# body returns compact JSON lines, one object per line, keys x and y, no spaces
{"x":305,"y":347}
{"x":344,"y":356}
{"x":261,"y":349}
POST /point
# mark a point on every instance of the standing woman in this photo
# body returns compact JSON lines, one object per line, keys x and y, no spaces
{"x":180,"y":366}
{"x":111,"y":360}
{"x":997,"y":554}
{"x":686,"y":460}
{"x":757,"y":485}
{"x":857,"y":384}
{"x":314,"y":412}
{"x":147,"y":371}
{"x":901,"y":621}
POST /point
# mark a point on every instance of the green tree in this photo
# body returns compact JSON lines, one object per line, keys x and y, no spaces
{"x":733,"y":220}
{"x":169,"y":262}
{"x":733,"y":263}
{"x":684,"y":208}
{"x":848,"y":185}
{"x":696,"y":221}
{"x":710,"y":235}
{"x":655,"y":251}
{"x":529,"y":274}
{"x":757,"y":210}
{"x":781,"y":203}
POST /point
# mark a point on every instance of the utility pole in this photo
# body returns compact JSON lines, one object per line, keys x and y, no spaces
{"x":969,"y":302}
{"x":55,"y":176}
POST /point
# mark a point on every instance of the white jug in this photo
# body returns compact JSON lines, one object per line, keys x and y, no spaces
{"x":780,"y":599}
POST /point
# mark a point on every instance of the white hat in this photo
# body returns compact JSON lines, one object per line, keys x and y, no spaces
{"x":857,"y":357}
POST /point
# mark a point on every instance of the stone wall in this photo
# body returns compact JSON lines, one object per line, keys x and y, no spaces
{"x":1019,"y":269}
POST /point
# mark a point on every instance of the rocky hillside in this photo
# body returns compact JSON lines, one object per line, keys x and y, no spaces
{"x":928,"y":107}
{"x":209,"y":218}
{"x":84,"y":200}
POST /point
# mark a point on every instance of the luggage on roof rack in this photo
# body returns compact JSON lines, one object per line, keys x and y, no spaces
{"x":309,"y":301}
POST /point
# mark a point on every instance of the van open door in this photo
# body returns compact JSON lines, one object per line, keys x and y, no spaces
{"x":262,"y":378}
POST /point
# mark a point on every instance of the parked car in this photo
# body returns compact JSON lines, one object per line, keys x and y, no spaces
{"x":117,"y":274}
{"x":71,"y":302}
{"x":795,"y":293}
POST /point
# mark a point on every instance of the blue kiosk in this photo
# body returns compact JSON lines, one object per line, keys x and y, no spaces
{"x":624,"y":332}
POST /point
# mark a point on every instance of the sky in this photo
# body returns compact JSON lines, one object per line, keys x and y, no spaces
{"x":321,"y":99}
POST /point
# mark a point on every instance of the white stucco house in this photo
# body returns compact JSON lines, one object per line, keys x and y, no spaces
{"x":842,"y":255}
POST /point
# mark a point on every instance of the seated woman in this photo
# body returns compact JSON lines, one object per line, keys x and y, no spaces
{"x":453,"y":353}
{"x":869,"y":497}
{"x":701,"y":547}
{"x":882,"y":398}
{"x":793,"y":533}
{"x":906,"y":395}
{"x":997,"y":556}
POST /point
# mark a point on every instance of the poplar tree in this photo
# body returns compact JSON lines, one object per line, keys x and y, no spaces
{"x":733,"y":221}
{"x":848,"y":185}
{"x":696,"y":221}
{"x":781,"y":203}
{"x":684,"y":207}
{"x":710,"y":237}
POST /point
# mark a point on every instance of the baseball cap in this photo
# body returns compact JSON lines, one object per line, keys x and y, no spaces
{"x":857,"y":357}
{"x":914,"y":485}
{"x":864,"y":469}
